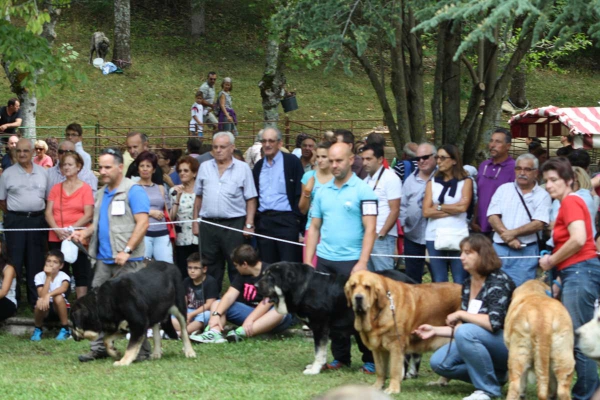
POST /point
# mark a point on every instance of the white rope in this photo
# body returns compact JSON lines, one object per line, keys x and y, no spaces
{"x":203,"y":221}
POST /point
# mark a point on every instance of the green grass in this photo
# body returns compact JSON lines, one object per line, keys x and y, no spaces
{"x":254,"y":369}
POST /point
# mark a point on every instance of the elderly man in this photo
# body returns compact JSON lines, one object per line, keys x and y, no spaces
{"x":117,"y":232}
{"x":388,"y":188}
{"x":225,"y":195}
{"x":308,"y":156}
{"x":136,"y":143}
{"x":278,"y":178}
{"x":10,"y":117}
{"x":209,"y":101}
{"x":10,"y":147}
{"x":74,"y":133}
{"x":55,"y":175}
{"x":22,"y":198}
{"x":517,"y":213}
{"x":344,"y":217}
{"x":493,"y":173}
{"x":411,"y":210}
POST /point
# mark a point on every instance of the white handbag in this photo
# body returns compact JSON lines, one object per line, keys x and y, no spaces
{"x":449,"y":238}
{"x":69,"y":250}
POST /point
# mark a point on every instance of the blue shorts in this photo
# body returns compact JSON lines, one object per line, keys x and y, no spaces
{"x":238,"y":312}
{"x":202,"y":317}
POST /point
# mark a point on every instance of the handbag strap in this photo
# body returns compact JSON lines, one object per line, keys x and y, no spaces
{"x":62,"y":222}
{"x":529,"y":215}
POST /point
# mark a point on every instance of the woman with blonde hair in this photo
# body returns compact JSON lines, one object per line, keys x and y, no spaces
{"x":227,"y":117}
{"x":41,"y":158}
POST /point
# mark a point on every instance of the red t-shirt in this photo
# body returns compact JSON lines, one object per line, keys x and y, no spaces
{"x":573,"y":208}
{"x":72,"y":206}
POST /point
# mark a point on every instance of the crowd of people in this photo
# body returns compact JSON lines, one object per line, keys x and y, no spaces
{"x":340,"y":197}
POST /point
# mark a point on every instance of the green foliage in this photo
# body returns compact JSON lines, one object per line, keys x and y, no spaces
{"x":548,"y":52}
{"x":29,"y":56}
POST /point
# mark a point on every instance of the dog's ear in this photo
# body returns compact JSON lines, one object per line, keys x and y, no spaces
{"x":380,"y":289}
{"x":348,"y":292}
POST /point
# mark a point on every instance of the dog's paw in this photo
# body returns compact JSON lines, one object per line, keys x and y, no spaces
{"x":411,"y":375}
{"x":120,"y":363}
{"x":391,"y":390}
{"x":190,"y":353}
{"x":156,"y":356}
{"x":377,"y":386}
{"x":440,"y":382}
{"x":312,"y":369}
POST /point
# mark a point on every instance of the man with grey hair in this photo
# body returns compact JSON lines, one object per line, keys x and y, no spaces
{"x":22,"y":199}
{"x":411,"y":210}
{"x":225,"y":195}
{"x":518,"y":212}
{"x":278,"y":180}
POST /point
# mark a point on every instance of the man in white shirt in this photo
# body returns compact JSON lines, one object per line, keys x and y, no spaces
{"x":388,"y":188}
{"x":74,"y":134}
{"x":517,"y":223}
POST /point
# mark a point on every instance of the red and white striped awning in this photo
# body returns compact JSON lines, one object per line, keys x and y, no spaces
{"x":581,"y":122}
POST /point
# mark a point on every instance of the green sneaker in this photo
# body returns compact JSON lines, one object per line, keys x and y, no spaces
{"x":210,"y":336}
{"x":236,"y":335}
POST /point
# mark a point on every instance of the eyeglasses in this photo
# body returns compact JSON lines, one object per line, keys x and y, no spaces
{"x":264,"y":141}
{"x":61,"y":151}
{"x":424,"y":158}
{"x":442,"y":158}
{"x":526,"y":169}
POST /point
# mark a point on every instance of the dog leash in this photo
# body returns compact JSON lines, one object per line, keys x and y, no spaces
{"x":547,"y":277}
{"x":84,"y":251}
{"x":393,"y":309}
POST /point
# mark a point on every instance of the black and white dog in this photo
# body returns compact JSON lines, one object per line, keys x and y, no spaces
{"x":317,"y":299}
{"x":100,"y":45}
{"x":138,"y":300}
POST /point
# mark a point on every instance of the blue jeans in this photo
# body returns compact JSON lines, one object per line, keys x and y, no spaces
{"x":159,"y":248}
{"x":439,"y":267}
{"x":414,"y":266}
{"x":385,"y":246}
{"x":519,"y":270}
{"x":238,"y":312}
{"x":477,"y":356}
{"x":203,"y":317}
{"x":581,"y":287}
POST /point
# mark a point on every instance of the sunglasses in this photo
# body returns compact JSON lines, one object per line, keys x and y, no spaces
{"x":60,"y":151}
{"x":39,"y":149}
{"x":423,"y":158}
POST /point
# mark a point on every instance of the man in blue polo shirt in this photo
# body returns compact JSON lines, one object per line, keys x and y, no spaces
{"x":344,"y":216}
{"x":117,"y":232}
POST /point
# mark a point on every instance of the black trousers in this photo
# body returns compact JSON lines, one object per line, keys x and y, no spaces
{"x":217,"y":245}
{"x":281,"y":225}
{"x":181,"y":255}
{"x":26,"y":249}
{"x":342,"y":332}
{"x":81,"y":269}
{"x":7,"y":309}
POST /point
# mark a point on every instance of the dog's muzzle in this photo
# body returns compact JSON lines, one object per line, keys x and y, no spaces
{"x":359,"y":304}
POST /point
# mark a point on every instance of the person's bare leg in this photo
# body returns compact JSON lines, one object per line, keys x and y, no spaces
{"x":60,"y":306}
{"x":267,"y":322}
{"x":80,"y":291}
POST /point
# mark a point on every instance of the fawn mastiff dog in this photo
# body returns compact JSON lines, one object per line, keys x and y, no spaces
{"x":386,"y":331}
{"x":538,"y":333}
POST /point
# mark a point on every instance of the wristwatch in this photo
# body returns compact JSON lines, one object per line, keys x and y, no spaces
{"x":127,"y":250}
{"x":249,"y":226}
{"x":439,"y":207}
{"x":218,"y":314}
{"x":380,"y":237}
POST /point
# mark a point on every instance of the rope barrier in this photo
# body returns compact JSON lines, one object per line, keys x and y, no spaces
{"x":200,"y":220}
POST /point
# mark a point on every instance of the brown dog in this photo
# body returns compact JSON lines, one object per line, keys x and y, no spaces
{"x":389,"y":337}
{"x":538,"y":333}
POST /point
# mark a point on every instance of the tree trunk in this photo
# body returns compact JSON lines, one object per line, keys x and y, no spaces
{"x":198,"y":23}
{"x":436,"y":99}
{"x":415,"y":86}
{"x":398,"y":83}
{"x":272,"y":85}
{"x":122,"y":35}
{"x":451,"y":84}
{"x":517,"y":89}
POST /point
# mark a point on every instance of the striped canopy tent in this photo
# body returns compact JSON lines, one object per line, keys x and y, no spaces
{"x":581,"y":122}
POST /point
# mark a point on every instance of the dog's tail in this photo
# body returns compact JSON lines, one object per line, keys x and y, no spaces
{"x":541,"y":346}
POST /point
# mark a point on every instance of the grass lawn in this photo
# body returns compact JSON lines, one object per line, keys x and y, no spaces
{"x":255,"y":369}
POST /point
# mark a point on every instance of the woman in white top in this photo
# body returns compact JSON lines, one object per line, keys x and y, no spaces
{"x":8,"y":285}
{"x":447,"y":198}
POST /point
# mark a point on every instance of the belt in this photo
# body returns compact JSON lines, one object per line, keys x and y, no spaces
{"x":217,"y":220}
{"x":27,"y":214}
{"x":506,"y":244}
{"x":274,"y":212}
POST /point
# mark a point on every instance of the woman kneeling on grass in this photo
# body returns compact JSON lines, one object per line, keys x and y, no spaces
{"x":477,"y":354}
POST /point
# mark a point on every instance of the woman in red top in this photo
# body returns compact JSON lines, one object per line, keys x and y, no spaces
{"x":71,"y":203}
{"x":575,"y":258}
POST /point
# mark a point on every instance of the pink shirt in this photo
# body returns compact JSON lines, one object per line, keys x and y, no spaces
{"x":46,"y":162}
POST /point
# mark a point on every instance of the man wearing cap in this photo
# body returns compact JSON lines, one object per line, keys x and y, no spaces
{"x":22,"y":198}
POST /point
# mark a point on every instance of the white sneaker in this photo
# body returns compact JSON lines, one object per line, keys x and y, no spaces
{"x":478,"y":395}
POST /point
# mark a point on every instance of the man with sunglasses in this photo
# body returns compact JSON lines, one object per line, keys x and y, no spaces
{"x":55,"y":174}
{"x":493,"y":173}
{"x":74,"y":133}
{"x":518,"y":212}
{"x":411,"y":210}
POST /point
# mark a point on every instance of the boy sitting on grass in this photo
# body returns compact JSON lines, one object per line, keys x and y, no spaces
{"x":201,"y":291}
{"x":242,"y":305}
{"x":52,"y":284}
